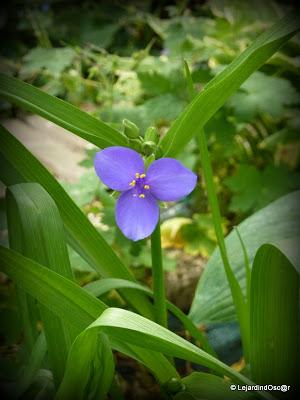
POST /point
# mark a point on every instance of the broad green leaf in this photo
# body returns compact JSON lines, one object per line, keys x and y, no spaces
{"x":102,"y":286}
{"x":41,"y":236}
{"x":200,"y":385}
{"x":275,"y":324}
{"x":90,"y":368}
{"x":60,"y":112}
{"x":72,"y":303}
{"x":276,"y":222}
{"x":220,"y":88}
{"x":18,"y":165}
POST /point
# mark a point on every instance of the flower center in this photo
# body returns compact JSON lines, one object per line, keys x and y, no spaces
{"x":139,"y":185}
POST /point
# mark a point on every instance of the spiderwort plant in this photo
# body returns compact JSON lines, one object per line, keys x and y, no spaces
{"x":137,"y":210}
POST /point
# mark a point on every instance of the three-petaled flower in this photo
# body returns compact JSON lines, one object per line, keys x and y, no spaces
{"x":137,"y":211}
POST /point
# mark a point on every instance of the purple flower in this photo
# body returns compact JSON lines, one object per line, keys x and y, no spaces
{"x":137,"y":210}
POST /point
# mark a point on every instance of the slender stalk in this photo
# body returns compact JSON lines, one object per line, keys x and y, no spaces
{"x":160,"y":308}
{"x":237,"y":295}
{"x":247,"y":265}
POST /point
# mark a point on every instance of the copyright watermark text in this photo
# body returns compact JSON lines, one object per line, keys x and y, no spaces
{"x":250,"y":388}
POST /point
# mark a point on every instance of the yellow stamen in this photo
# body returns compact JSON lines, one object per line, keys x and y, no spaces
{"x":146,"y":187}
{"x":137,"y":175}
{"x":143,"y":176}
{"x":132,"y":183}
{"x":142,"y":196}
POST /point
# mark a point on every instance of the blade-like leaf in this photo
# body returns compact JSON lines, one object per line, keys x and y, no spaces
{"x":41,"y":237}
{"x":102,"y":286}
{"x":274,"y":315}
{"x":60,"y":112}
{"x":18,"y":165}
{"x":132,"y":328}
{"x":72,"y":303}
{"x":277,"y":221}
{"x":219,"y":89}
{"x":90,"y":368}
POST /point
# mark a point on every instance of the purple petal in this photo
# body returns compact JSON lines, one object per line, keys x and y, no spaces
{"x":116,"y":166}
{"x":169,"y":180}
{"x":135,"y":216}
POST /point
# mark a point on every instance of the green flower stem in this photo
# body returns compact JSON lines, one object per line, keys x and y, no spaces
{"x":237,"y":295}
{"x":160,"y":308}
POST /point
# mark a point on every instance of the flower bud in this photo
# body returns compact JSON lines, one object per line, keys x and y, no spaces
{"x":149,"y":148}
{"x":130,"y":129}
{"x":151,"y":135}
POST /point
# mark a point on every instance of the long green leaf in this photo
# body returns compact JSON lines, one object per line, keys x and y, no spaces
{"x":102,"y":286}
{"x":18,"y":165}
{"x":41,"y":237}
{"x":275,"y":222}
{"x":133,"y":328}
{"x":60,"y":112}
{"x":90,"y":368}
{"x":275,"y":323}
{"x":220,"y":88}
{"x":72,"y":303}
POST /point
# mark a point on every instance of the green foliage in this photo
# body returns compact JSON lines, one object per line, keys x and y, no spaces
{"x":267,"y":185}
{"x":264,"y":94}
{"x":213,"y":302}
{"x":275,"y":317}
{"x":53,"y":61}
{"x":129,"y":65}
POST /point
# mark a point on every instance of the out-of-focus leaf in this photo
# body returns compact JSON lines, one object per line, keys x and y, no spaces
{"x":220,"y":88}
{"x":254,"y":189}
{"x":274,"y":355}
{"x":263,"y":94}
{"x":163,"y":108}
{"x":277,"y":221}
{"x":53,"y":60}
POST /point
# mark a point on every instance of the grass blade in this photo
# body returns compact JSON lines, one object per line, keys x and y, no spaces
{"x":274,"y":318}
{"x":220,"y":88}
{"x":60,"y":112}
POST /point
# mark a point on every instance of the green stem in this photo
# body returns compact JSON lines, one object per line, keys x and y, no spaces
{"x":160,"y":308}
{"x":237,"y":295}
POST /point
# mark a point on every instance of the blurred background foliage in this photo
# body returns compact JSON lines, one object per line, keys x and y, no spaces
{"x":118,"y":60}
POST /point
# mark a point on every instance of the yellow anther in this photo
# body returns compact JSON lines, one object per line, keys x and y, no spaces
{"x":141,"y":196}
{"x":146,"y":187}
{"x":137,"y":175}
{"x":132,"y":183}
{"x":143,"y":176}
